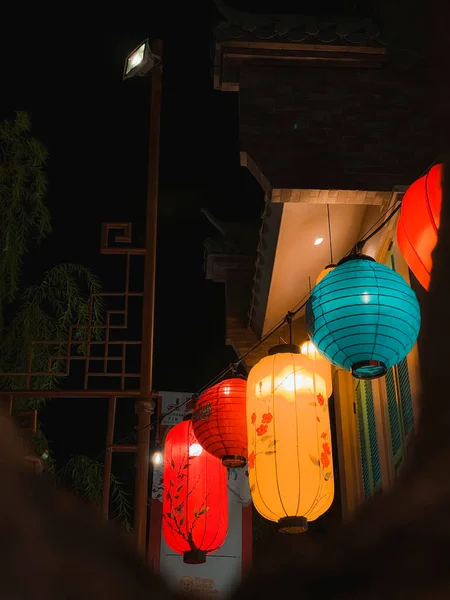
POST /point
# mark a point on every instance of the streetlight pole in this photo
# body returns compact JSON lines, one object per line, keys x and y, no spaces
{"x":145,"y":404}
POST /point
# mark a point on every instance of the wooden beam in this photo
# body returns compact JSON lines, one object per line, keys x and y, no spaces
{"x":300,"y":47}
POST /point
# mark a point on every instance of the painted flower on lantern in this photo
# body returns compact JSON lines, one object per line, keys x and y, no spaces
{"x":325,"y":457}
{"x":320,"y":400}
{"x":262,"y":429}
{"x":262,"y":432}
{"x":325,"y":460}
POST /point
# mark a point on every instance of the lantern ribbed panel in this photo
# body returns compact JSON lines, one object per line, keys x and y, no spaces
{"x":363,"y":312}
{"x":320,"y":364}
{"x":290,"y":464}
{"x":418,"y":224}
{"x":219,"y":419}
{"x":195,"y":500}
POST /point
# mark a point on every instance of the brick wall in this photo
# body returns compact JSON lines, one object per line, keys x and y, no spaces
{"x":338,"y":128}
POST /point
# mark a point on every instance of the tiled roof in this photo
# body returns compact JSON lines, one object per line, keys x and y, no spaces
{"x":295,"y":28}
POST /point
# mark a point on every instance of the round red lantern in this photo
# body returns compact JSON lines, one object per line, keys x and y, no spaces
{"x":220,"y":421}
{"x":195,"y":499}
{"x":418,"y":224}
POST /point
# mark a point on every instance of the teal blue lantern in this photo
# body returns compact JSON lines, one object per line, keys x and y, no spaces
{"x":363,"y":317}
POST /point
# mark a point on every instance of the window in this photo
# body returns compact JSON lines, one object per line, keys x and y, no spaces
{"x":399,"y":407}
{"x":400,"y":411}
{"x":368,"y":441}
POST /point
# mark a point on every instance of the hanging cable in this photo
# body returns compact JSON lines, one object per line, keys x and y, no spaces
{"x":289,"y":322}
{"x":329,"y":235}
{"x":380,"y":227}
{"x":356,"y":249}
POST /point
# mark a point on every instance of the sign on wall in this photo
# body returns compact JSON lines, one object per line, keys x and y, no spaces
{"x":223,"y":569}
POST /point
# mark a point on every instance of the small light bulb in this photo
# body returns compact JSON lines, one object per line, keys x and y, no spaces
{"x":157,"y":459}
{"x":365,"y":297}
{"x":136,"y":59}
{"x":195,"y":450}
{"x":318,"y":241}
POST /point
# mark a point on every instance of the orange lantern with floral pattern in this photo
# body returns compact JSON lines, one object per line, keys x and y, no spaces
{"x":289,"y":442}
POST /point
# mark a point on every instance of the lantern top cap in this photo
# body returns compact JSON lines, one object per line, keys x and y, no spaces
{"x":356,"y":257}
{"x":284,"y":349}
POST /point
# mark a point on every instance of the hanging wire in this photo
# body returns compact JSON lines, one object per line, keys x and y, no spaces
{"x":329,"y":235}
{"x":289,"y":317}
{"x":356,"y":249}
{"x":286,"y":319}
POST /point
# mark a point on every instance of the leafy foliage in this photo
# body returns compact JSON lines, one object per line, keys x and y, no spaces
{"x":85,"y":477}
{"x":46,"y":312}
{"x":23,"y":186}
{"x":35,"y":322}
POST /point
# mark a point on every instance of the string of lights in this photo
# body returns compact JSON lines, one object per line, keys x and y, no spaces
{"x":232,"y":367}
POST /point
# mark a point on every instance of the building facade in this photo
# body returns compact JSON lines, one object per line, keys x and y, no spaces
{"x":334,"y":130}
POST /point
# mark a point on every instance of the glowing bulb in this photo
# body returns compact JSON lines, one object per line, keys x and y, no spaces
{"x":309,"y":349}
{"x":135,"y":59}
{"x":195,"y":450}
{"x":318,"y":241}
{"x":157,"y":459}
{"x":226,"y":390}
{"x":138,"y":56}
{"x":365,"y":297}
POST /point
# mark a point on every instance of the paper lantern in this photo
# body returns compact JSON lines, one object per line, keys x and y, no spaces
{"x":195,"y":499}
{"x":418,"y":224}
{"x":320,"y":365}
{"x":219,"y":421}
{"x":363,"y":317}
{"x":289,"y":463}
{"x":324,"y":272}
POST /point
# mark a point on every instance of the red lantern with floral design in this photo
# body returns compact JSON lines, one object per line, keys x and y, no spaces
{"x":418,"y":224}
{"x":219,"y":421}
{"x":195,"y":500}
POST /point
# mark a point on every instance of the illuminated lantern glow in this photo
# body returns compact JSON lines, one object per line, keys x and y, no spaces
{"x":290,"y":461}
{"x":219,"y":421}
{"x":320,"y":365}
{"x":324,"y":272}
{"x":363,"y":317}
{"x":418,"y":224}
{"x":195,"y":499}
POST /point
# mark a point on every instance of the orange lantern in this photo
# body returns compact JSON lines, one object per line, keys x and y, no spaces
{"x":324,"y":272}
{"x":290,"y":462}
{"x":418,"y":224}
{"x":219,"y":421}
{"x":320,"y":365}
{"x":195,"y":500}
